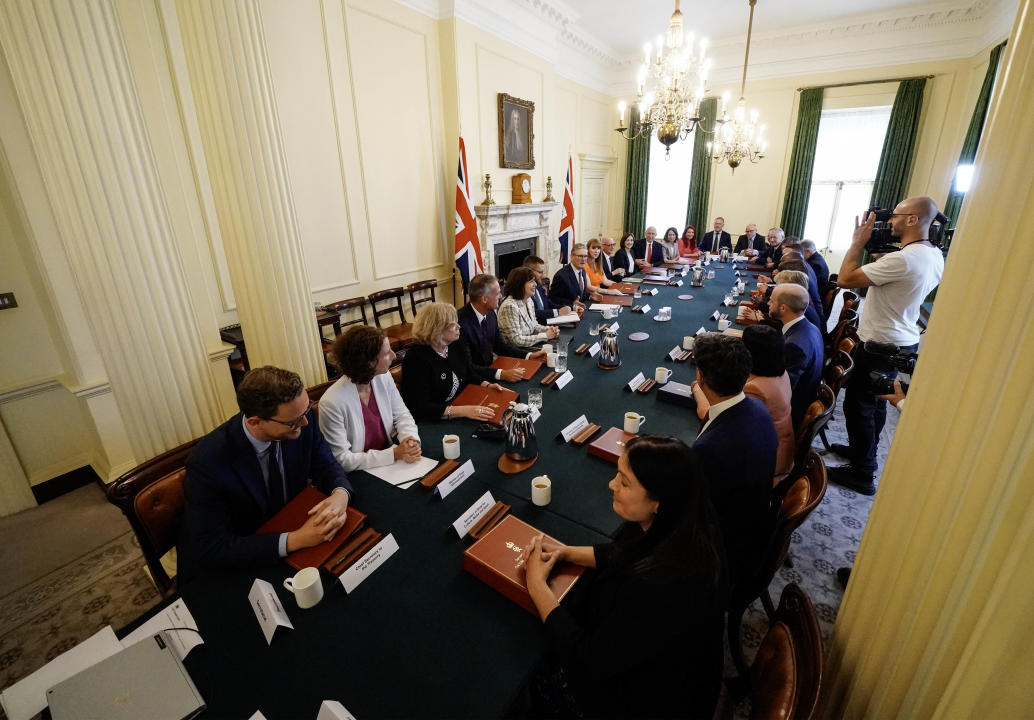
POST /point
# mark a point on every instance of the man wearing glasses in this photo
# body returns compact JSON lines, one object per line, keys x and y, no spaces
{"x":609,"y":248}
{"x":243,"y":472}
{"x":898,"y":282}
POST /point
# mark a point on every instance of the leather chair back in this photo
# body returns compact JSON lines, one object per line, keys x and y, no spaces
{"x":421,"y":286}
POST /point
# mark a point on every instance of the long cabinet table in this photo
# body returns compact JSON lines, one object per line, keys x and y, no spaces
{"x":420,"y":637}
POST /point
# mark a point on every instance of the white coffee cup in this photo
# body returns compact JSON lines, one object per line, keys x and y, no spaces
{"x":541,"y":490}
{"x":723,"y":325}
{"x":662,"y":375}
{"x":451,"y":447}
{"x":551,"y":359}
{"x":687,"y":342}
{"x":633,"y":421}
{"x":548,"y":348}
{"x":306,"y":586}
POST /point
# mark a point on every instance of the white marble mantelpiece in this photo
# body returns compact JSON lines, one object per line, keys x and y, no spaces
{"x":505,"y":223}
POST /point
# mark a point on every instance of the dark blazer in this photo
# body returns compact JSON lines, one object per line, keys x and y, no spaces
{"x":656,"y":252}
{"x":544,"y":307}
{"x":737,"y":455}
{"x":802,"y":345}
{"x":427,"y":378}
{"x":227,"y":501}
{"x":821,"y":269}
{"x":759,"y":243}
{"x":565,"y":289}
{"x":775,"y":254}
{"x":813,"y":288}
{"x":608,"y":266}
{"x":707,"y":242}
{"x":483,"y":342}
{"x":621,"y":258}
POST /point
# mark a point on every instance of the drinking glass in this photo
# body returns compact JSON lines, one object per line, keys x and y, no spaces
{"x":561,"y":360}
{"x":535,"y":397}
{"x":594,"y":328}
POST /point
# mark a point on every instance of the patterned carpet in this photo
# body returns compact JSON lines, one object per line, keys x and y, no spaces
{"x":105,"y":586}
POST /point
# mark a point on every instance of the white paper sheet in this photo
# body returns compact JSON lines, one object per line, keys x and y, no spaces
{"x":599,"y":306}
{"x":400,"y":473}
{"x":28,"y":697}
{"x":569,"y":318}
{"x":175,"y":615}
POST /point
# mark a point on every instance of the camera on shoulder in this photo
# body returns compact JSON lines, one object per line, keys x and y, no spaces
{"x":882,"y":241}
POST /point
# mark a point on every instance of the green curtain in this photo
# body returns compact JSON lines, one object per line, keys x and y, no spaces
{"x":802,"y":160}
{"x":976,"y":127}
{"x":899,"y":145}
{"x":636,"y":178}
{"x":700,"y":177}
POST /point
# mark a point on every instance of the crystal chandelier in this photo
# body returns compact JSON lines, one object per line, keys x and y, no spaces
{"x":670,"y":86}
{"x":739,"y":137}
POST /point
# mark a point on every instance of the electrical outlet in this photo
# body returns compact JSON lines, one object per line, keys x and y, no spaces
{"x":7,"y":301}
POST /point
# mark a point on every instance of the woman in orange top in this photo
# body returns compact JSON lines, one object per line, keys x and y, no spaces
{"x":688,"y":243}
{"x":594,"y":268}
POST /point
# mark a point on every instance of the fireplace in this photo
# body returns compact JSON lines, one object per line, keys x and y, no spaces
{"x":511,"y":254}
{"x":509,"y":233}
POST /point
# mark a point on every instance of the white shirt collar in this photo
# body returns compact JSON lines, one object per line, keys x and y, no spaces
{"x":720,"y":407}
{"x":793,"y":322}
{"x":479,"y":316}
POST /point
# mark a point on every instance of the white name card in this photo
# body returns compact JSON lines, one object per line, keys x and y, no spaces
{"x":701,"y":331}
{"x":594,"y":350}
{"x":715,"y":316}
{"x":474,"y":513}
{"x":561,"y":381}
{"x":729,"y":301}
{"x":678,"y":283}
{"x":333,"y":710}
{"x":651,"y":291}
{"x":455,"y":479}
{"x":646,"y":309}
{"x":571,"y":430}
{"x":369,"y":562}
{"x":268,"y":610}
{"x":675,"y":351}
{"x":636,"y":382}
{"x":535,"y":414}
{"x":615,"y":327}
{"x":737,"y":273}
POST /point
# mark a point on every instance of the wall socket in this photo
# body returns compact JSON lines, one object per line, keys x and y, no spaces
{"x":7,"y":301}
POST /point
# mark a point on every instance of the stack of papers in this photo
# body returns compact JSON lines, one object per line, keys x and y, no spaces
{"x":402,"y":474}
{"x":569,"y":318}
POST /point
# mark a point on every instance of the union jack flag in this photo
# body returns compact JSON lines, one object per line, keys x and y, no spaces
{"x":567,"y":218}
{"x":468,"y":249}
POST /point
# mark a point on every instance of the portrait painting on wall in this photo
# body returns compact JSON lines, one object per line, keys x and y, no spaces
{"x":516,"y":138}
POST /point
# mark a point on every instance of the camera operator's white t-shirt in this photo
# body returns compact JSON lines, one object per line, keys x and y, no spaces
{"x":902,"y":280}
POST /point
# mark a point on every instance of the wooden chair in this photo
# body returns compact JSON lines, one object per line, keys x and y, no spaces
{"x":151,"y":497}
{"x":815,"y":419}
{"x":786,"y":675}
{"x":420,"y":286}
{"x":836,"y":374}
{"x":847,"y":319}
{"x":316,"y":392}
{"x":341,"y":306}
{"x":804,"y":495}
{"x":401,"y":335}
{"x":849,"y":340}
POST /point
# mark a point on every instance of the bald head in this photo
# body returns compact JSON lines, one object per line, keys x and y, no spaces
{"x":793,"y":297}
{"x":923,"y":208}
{"x":911,"y":219}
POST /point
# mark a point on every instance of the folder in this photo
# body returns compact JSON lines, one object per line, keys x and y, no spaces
{"x":498,"y":400}
{"x":509,"y":363}
{"x":294,"y":514}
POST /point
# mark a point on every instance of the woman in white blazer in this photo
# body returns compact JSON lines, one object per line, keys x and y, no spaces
{"x":516,"y":316}
{"x":361,"y":412}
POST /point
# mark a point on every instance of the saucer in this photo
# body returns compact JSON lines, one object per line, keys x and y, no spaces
{"x":638,"y":336}
{"x":685,"y":297}
{"x":658,"y":318}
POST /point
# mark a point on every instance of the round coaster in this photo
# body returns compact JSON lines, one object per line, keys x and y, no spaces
{"x":685,"y":297}
{"x":512,"y":467}
{"x":638,"y":336}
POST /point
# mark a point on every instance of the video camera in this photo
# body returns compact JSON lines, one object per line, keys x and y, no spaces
{"x":905,"y":362}
{"x":882,"y":242}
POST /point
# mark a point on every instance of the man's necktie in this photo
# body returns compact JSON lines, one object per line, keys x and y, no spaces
{"x":486,"y":339}
{"x":276,"y":479}
{"x":582,"y":281}
{"x":538,"y":300}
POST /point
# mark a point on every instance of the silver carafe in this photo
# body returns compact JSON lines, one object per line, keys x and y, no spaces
{"x":521,"y":444}
{"x":610,"y":356}
{"x":724,"y":255}
{"x":698,"y":277}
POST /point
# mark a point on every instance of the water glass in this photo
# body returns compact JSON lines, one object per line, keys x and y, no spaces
{"x":594,"y":329}
{"x":561,"y":361}
{"x":535,"y":397}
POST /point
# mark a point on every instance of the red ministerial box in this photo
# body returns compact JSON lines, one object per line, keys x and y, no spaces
{"x":622,"y":300}
{"x":498,"y":400}
{"x":294,"y":514}
{"x":496,"y":560}
{"x":610,"y":444}
{"x":509,"y":363}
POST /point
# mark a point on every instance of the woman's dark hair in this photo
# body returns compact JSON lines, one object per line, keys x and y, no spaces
{"x":684,"y":537}
{"x":516,"y":281}
{"x":765,"y":344}
{"x":355,"y":352}
{"x":674,"y":231}
{"x":626,"y":236}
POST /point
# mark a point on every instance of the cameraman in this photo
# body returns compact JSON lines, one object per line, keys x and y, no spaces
{"x":898,"y":282}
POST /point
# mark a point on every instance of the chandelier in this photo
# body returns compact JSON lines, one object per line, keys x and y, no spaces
{"x":670,"y":86}
{"x":739,"y":137}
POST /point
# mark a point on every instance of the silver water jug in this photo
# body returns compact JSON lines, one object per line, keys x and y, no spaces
{"x":521,"y":444}
{"x":723,"y":256}
{"x":610,"y":356}
{"x":698,"y":277}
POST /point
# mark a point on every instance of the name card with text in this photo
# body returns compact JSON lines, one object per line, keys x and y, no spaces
{"x":474,"y":513}
{"x":561,"y":381}
{"x":701,"y":331}
{"x":715,"y":316}
{"x":369,"y":562}
{"x":675,"y":352}
{"x":455,"y":479}
{"x":268,"y":610}
{"x":571,"y":430}
{"x":636,"y":382}
{"x":594,"y":350}
{"x":646,"y":309}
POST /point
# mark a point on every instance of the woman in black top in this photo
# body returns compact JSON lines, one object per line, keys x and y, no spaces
{"x":437,"y":368}
{"x":623,"y":257}
{"x":646,"y":637}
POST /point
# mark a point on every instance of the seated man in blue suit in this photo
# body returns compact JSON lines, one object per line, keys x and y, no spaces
{"x":736,"y":450}
{"x":818,"y":264}
{"x":248,"y":468}
{"x":647,"y":251}
{"x":544,"y":307}
{"x":479,"y":330}
{"x":803,"y":346}
{"x":571,"y":285}
{"x":714,"y":240}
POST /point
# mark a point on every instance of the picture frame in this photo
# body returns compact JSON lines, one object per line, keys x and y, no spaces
{"x":516,"y":133}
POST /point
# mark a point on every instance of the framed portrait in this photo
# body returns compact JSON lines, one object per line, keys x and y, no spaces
{"x":516,"y":136}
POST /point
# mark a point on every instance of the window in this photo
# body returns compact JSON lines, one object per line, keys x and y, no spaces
{"x":668,"y":186}
{"x":847,"y":156}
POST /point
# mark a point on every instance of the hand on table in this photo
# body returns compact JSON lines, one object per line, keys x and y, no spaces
{"x":408,"y":450}
{"x":540,"y":354}
{"x":512,"y":375}
{"x":474,"y":412}
{"x":539,"y":562}
{"x":325,"y":519}
{"x":552,"y":332}
{"x":565,"y":310}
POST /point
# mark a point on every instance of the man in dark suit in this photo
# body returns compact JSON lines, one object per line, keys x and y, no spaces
{"x":750,"y":243}
{"x":792,"y":259}
{"x":647,"y":251}
{"x":479,"y":330}
{"x":736,"y":450}
{"x":544,"y":307}
{"x":773,"y":251}
{"x":803,"y":346}
{"x":243,"y":472}
{"x":710,"y":244}
{"x":571,"y":285}
{"x":817,"y":263}
{"x":607,"y":257}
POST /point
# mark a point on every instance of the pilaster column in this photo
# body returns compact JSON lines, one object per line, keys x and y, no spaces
{"x":233,"y":92}
{"x":15,"y":493}
{"x":76,"y":91}
{"x":938,"y":616}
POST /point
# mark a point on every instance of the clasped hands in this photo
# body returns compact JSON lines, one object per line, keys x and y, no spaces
{"x":539,"y":559}
{"x":325,"y":519}
{"x":408,"y":450}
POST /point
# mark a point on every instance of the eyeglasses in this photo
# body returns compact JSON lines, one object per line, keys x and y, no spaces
{"x":903,"y":215}
{"x":292,"y":424}
{"x":581,"y":255}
